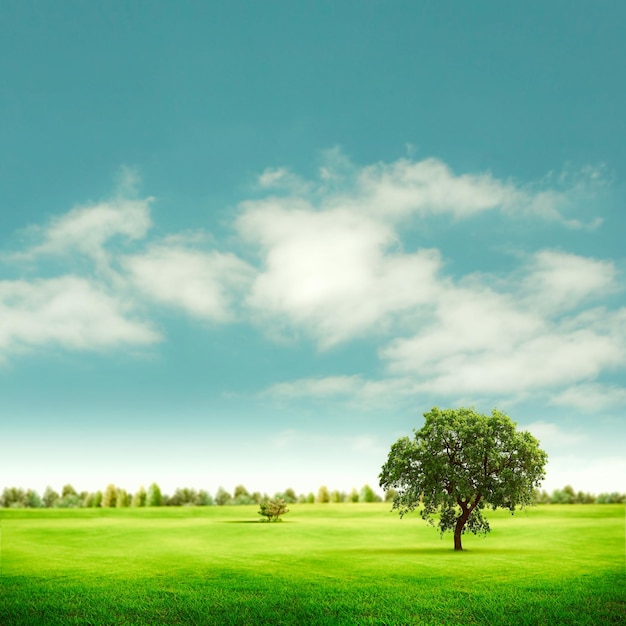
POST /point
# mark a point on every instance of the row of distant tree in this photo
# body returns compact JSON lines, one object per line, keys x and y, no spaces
{"x":117,"y":497}
{"x":568,"y":495}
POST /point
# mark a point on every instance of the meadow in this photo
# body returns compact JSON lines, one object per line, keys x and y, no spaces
{"x":324,"y":564}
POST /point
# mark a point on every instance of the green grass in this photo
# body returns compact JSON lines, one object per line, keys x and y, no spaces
{"x":325,"y":564}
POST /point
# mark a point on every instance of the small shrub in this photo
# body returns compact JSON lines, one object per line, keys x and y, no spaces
{"x":273,"y":509}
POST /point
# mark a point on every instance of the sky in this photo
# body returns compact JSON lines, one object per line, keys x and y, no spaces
{"x":254,"y":242}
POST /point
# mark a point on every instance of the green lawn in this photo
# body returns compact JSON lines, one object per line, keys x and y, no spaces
{"x":325,"y":564}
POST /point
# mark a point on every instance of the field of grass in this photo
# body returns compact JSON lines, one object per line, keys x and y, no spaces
{"x":325,"y":564}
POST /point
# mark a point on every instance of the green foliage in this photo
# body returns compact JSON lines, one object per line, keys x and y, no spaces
{"x":154,"y":496}
{"x":68,"y":490}
{"x":458,"y":463}
{"x":109,"y":497}
{"x":69,"y":501}
{"x":336,"y":496}
{"x":140,"y":497}
{"x":122,"y":498}
{"x":289,"y":496}
{"x":222,"y":497}
{"x":390,"y":495}
{"x":611,"y":498}
{"x":273,"y":509}
{"x":240,"y":490}
{"x":32,"y":499}
{"x":183,"y":497}
{"x":323,"y":495}
{"x":368,"y":495}
{"x":93,"y":500}
{"x":13,"y":497}
{"x":50,"y":497}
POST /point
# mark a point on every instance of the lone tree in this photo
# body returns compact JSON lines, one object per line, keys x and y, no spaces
{"x":460,"y":462}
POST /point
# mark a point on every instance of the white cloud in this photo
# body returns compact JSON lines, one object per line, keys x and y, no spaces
{"x":552,"y":436}
{"x":282,"y":178}
{"x":517,"y":339}
{"x":330,"y":266}
{"x":331,"y":273}
{"x":406,"y":187}
{"x":87,"y":229}
{"x":329,"y":386}
{"x":333,"y":267}
{"x":429,"y":187}
{"x":355,"y":390}
{"x":559,"y":281}
{"x":591,"y":397}
{"x":67,"y":311}
{"x":201,"y":283}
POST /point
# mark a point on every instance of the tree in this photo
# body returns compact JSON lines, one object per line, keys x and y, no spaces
{"x":68,"y":490}
{"x":93,"y":499}
{"x":50,"y":497}
{"x":33,"y":499}
{"x":140,"y":497}
{"x":204,"y":498}
{"x":273,"y":509}
{"x":368,"y":495}
{"x":13,"y":497}
{"x":390,"y":495}
{"x":109,"y":497}
{"x":242,"y":496}
{"x":289,"y":496}
{"x":460,"y":462}
{"x":222,"y":497}
{"x":154,"y":496}
{"x":335,"y":496}
{"x":323,"y":494}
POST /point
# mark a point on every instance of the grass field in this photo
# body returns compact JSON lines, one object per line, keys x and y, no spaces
{"x":325,"y":564}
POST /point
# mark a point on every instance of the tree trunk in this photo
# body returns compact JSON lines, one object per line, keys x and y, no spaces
{"x":457,"y":539}
{"x":458,"y":529}
{"x":462,"y":519}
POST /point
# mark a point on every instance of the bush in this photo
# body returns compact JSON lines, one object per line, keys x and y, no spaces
{"x":273,"y":509}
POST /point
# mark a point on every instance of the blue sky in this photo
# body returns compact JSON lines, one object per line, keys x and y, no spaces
{"x":254,"y":242}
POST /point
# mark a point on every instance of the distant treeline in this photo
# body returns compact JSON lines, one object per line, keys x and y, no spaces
{"x":568,"y":495}
{"x":117,"y":497}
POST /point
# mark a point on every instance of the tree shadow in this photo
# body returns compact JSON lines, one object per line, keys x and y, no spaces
{"x":251,"y":521}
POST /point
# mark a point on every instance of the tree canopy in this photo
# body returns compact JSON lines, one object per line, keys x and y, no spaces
{"x":461,"y":462}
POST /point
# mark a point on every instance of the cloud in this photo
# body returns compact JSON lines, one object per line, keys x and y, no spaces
{"x":332,"y":264}
{"x":200,"y":283}
{"x":560,"y":281}
{"x":332,"y":274}
{"x":87,"y":229}
{"x":355,"y":391}
{"x":552,"y":436}
{"x":482,"y":342}
{"x":429,"y":187}
{"x":325,"y":387}
{"x":408,"y":188}
{"x":68,"y":312}
{"x":528,"y":335}
{"x":326,"y":261}
{"x":591,"y":397}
